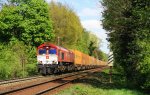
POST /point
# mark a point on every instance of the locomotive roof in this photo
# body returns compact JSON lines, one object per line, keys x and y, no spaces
{"x":54,"y":46}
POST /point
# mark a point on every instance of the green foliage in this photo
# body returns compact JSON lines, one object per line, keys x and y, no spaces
{"x":127,"y":22}
{"x":83,"y":43}
{"x":94,"y":43}
{"x":24,"y":24}
{"x":66,"y":24}
{"x":101,"y":55}
{"x":26,"y":20}
{"x":16,"y":61}
{"x":31,"y":69}
{"x":10,"y":65}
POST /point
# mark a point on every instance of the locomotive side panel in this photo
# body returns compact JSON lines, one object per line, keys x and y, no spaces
{"x":62,"y":55}
{"x":70,"y":56}
{"x":65,"y":56}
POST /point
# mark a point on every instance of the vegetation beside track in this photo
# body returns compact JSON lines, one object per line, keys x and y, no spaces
{"x":17,"y":61}
{"x":128,"y":26}
{"x":98,"y":84}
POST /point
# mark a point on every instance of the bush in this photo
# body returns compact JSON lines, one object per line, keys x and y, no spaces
{"x":9,"y":63}
{"x":31,"y":69}
{"x":17,"y":60}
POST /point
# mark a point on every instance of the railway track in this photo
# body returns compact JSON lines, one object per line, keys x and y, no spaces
{"x":19,"y":80}
{"x":47,"y":85}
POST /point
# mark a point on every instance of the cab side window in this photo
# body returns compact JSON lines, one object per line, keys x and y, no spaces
{"x":62,"y":56}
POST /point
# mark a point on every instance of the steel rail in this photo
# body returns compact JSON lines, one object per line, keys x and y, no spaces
{"x":62,"y":84}
{"x":55,"y":87}
{"x":19,"y":80}
{"x":38,"y":84}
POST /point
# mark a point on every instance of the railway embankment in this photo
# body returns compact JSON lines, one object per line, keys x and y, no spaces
{"x":98,"y":83}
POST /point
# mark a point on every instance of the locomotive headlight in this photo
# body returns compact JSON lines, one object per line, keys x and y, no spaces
{"x":40,"y":62}
{"x":54,"y":62}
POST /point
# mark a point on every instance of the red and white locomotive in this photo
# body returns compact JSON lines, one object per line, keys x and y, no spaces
{"x":51,"y":57}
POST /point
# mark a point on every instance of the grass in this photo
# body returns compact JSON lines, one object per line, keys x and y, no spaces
{"x":98,"y":84}
{"x":82,"y":89}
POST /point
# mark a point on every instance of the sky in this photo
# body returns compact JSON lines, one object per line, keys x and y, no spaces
{"x":90,"y":14}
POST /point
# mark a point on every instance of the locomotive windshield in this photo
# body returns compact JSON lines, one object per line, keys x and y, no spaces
{"x":52,"y":51}
{"x":42,"y":51}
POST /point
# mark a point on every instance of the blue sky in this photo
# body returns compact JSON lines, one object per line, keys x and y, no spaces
{"x":90,"y":13}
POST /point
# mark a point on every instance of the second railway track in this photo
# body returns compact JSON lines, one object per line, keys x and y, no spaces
{"x":18,"y":80}
{"x":48,"y":85}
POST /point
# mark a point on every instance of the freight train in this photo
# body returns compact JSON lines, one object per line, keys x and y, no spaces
{"x":54,"y":59}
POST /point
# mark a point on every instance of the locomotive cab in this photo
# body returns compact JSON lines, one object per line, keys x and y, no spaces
{"x":52,"y":58}
{"x":47,"y":55}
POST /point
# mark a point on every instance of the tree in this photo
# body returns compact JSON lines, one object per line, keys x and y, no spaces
{"x":127,"y":23}
{"x":83,"y":42}
{"x":66,"y":24}
{"x":100,"y":55}
{"x":94,"y":44}
{"x":26,"y":20}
